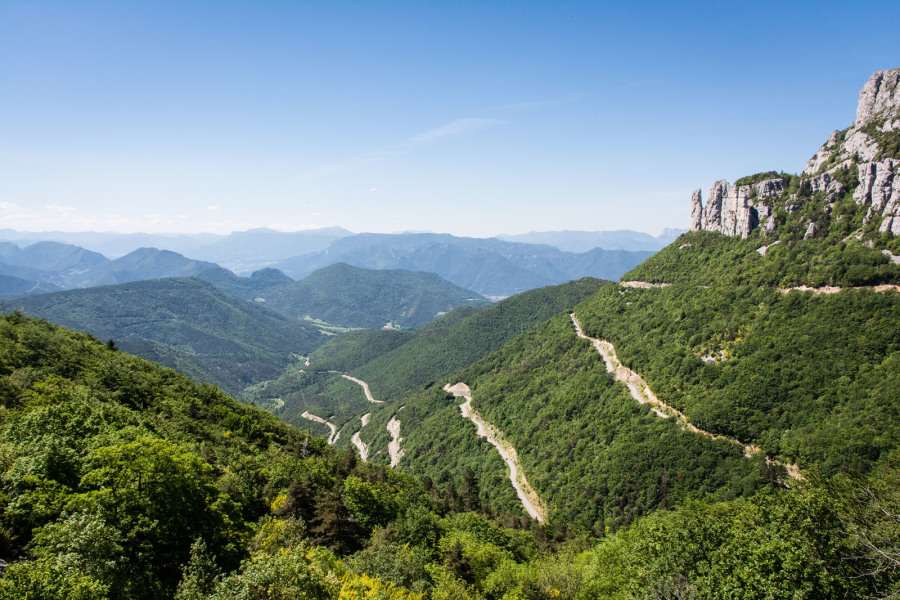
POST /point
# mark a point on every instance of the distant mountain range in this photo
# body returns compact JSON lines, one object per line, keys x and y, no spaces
{"x":489,"y":266}
{"x":246,"y":251}
{"x":47,"y":266}
{"x":583,"y":241}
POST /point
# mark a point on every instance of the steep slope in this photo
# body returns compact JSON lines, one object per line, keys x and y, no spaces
{"x":832,"y":225}
{"x":739,"y":346}
{"x":232,"y":342}
{"x":394,"y":363}
{"x":123,"y":479}
{"x":591,"y":452}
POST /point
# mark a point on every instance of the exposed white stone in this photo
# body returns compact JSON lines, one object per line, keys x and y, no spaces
{"x":826,"y":183}
{"x":881,"y":94}
{"x":810,"y":231}
{"x":696,"y":211}
{"x":732,"y":210}
{"x":769,"y":187}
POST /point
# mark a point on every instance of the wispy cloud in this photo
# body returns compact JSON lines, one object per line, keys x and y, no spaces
{"x":457,"y":128}
{"x":534,"y":105}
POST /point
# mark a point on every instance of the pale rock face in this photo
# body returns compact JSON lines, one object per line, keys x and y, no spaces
{"x":825,"y":183}
{"x":769,"y":187}
{"x":879,"y":97}
{"x":729,"y":210}
{"x":696,"y":211}
{"x":810,"y":231}
{"x":880,"y":189}
{"x":733,"y":212}
{"x":819,"y":158}
{"x":859,"y":144}
{"x":881,"y":93}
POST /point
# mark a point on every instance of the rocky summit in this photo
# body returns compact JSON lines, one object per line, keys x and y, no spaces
{"x":869,"y":149}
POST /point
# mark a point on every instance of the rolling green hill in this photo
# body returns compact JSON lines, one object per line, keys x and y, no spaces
{"x":219,"y":338}
{"x":353,"y":297}
{"x":123,"y":479}
{"x":394,"y":363}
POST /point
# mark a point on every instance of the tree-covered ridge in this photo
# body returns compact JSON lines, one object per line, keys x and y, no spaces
{"x":395,"y":363}
{"x":204,"y":332}
{"x":123,"y":479}
{"x":353,"y":297}
{"x":707,"y":258}
{"x":594,"y":455}
{"x":811,"y":378}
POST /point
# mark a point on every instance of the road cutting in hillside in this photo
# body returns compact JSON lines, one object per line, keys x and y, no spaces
{"x":641,"y":392}
{"x":335,"y":434}
{"x":827,"y":289}
{"x":394,"y":449}
{"x":529,"y":498}
{"x":361,"y":446}
{"x":643,"y":284}
{"x":365,"y":387}
{"x":833,"y":289}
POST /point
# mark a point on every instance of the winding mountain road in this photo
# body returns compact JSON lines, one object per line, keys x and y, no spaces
{"x":335,"y":434}
{"x":396,"y":453}
{"x":361,"y":446}
{"x":365,"y":387}
{"x":529,"y":498}
{"x":641,"y":392}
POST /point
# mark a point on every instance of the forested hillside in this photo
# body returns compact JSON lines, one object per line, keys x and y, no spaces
{"x":394,"y":363}
{"x":124,"y":480}
{"x":185,"y":323}
{"x":353,"y":297}
{"x":812,"y":378}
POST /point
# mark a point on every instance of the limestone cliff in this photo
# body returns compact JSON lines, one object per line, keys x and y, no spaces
{"x":870,"y":147}
{"x":733,"y":210}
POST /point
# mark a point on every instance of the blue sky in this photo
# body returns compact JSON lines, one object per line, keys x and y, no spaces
{"x":474,"y":118}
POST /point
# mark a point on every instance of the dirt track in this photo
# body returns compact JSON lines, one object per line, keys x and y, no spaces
{"x":529,"y":498}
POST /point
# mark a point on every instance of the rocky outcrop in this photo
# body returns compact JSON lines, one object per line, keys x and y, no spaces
{"x":826,"y":183}
{"x":880,"y":95}
{"x":736,"y":211}
{"x":878,"y":115}
{"x":696,"y":211}
{"x":733,"y":210}
{"x":880,"y":189}
{"x":879,"y":105}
